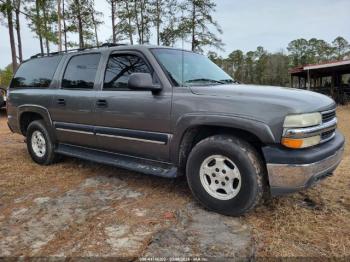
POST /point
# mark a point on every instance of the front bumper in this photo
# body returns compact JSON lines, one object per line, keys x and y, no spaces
{"x":293,"y":170}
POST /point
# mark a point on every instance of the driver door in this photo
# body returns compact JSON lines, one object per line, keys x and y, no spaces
{"x":132,"y":122}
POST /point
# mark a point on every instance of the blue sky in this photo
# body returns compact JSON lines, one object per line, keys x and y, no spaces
{"x":246,"y":24}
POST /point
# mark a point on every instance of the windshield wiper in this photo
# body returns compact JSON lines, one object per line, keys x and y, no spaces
{"x":204,"y":80}
{"x":230,"y":81}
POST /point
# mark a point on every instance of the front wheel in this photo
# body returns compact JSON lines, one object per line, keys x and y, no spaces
{"x":226,"y":174}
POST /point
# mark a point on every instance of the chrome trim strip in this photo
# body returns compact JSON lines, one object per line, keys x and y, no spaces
{"x":310,"y":131}
{"x":75,"y":131}
{"x":132,"y":139}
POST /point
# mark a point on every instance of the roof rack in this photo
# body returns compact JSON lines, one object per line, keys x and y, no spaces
{"x":77,"y":50}
{"x":111,"y":44}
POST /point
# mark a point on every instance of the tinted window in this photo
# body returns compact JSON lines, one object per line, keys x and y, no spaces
{"x":119,"y":69}
{"x":81,"y":71}
{"x":36,"y":73}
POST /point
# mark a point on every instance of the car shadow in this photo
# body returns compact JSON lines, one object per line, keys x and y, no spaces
{"x":3,"y":112}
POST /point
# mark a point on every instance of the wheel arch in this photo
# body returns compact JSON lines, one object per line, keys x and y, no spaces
{"x":191,"y":131}
{"x":30,"y":113}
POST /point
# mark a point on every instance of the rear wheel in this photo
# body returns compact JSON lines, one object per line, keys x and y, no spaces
{"x":39,"y":143}
{"x":226,"y":174}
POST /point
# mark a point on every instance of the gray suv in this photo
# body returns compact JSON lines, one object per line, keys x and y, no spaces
{"x":167,"y":112}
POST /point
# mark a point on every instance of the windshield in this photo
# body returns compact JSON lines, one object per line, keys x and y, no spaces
{"x":186,"y":68}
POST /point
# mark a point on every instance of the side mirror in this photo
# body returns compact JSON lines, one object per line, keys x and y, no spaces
{"x":142,"y":81}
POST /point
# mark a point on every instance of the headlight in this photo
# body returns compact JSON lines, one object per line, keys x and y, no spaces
{"x":301,"y":124}
{"x":303,"y":120}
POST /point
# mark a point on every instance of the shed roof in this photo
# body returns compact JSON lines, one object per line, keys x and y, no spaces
{"x":322,"y":68}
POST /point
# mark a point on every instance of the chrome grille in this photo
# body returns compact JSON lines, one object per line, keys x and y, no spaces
{"x":328,"y":115}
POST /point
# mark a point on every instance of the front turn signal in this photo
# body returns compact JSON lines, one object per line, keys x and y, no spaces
{"x":292,"y":143}
{"x":301,"y":142}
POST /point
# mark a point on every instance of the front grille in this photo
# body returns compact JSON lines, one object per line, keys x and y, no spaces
{"x":327,"y":135}
{"x":328,"y":115}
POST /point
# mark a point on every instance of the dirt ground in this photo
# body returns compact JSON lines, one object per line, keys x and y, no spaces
{"x":78,"y":208}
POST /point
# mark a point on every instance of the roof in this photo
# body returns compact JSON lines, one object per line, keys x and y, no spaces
{"x":327,"y":64}
{"x":334,"y":66}
{"x":106,"y":45}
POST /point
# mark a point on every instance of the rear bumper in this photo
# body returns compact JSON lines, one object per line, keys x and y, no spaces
{"x":293,"y":170}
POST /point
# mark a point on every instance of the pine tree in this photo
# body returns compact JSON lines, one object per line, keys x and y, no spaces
{"x":142,"y":17}
{"x":59,"y":22}
{"x":113,"y":8}
{"x":126,"y":16}
{"x":170,"y":19}
{"x":42,"y":19}
{"x":196,"y":23}
{"x":17,"y":4}
{"x":84,"y":19}
{"x":6,"y":9}
{"x":341,"y":47}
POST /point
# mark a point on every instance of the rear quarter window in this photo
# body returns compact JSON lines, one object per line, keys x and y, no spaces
{"x":36,"y":73}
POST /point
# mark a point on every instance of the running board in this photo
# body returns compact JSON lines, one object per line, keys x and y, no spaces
{"x":118,"y":160}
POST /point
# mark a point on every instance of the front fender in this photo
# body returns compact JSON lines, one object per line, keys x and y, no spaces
{"x":189,"y":121}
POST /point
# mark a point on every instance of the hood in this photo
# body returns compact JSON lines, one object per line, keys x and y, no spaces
{"x":293,"y":100}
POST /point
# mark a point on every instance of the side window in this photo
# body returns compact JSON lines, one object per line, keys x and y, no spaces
{"x":36,"y":73}
{"x":81,"y":72}
{"x":119,"y":69}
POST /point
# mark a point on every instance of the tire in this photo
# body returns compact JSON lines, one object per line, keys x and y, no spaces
{"x":226,"y":175}
{"x":39,"y":143}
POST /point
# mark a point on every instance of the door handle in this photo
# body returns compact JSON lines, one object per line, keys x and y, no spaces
{"x":61,"y":101}
{"x":102,"y":103}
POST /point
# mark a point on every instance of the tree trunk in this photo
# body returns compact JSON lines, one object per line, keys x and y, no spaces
{"x":137,"y":22}
{"x":129,"y":21}
{"x":38,"y":26}
{"x":113,"y":22}
{"x":158,"y":22}
{"x":80,"y":25}
{"x":18,"y":30}
{"x":142,"y":6}
{"x":193,"y":26}
{"x":64,"y":27}
{"x":12,"y":38}
{"x":59,"y":25}
{"x":47,"y":43}
{"x":95,"y":27}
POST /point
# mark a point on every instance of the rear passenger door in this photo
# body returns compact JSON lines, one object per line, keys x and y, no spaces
{"x":73,"y":102}
{"x":132,"y":122}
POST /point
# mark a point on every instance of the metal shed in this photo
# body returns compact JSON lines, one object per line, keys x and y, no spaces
{"x":332,"y":78}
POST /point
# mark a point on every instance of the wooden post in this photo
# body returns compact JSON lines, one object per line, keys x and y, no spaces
{"x":332,"y":85}
{"x":308,"y":80}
